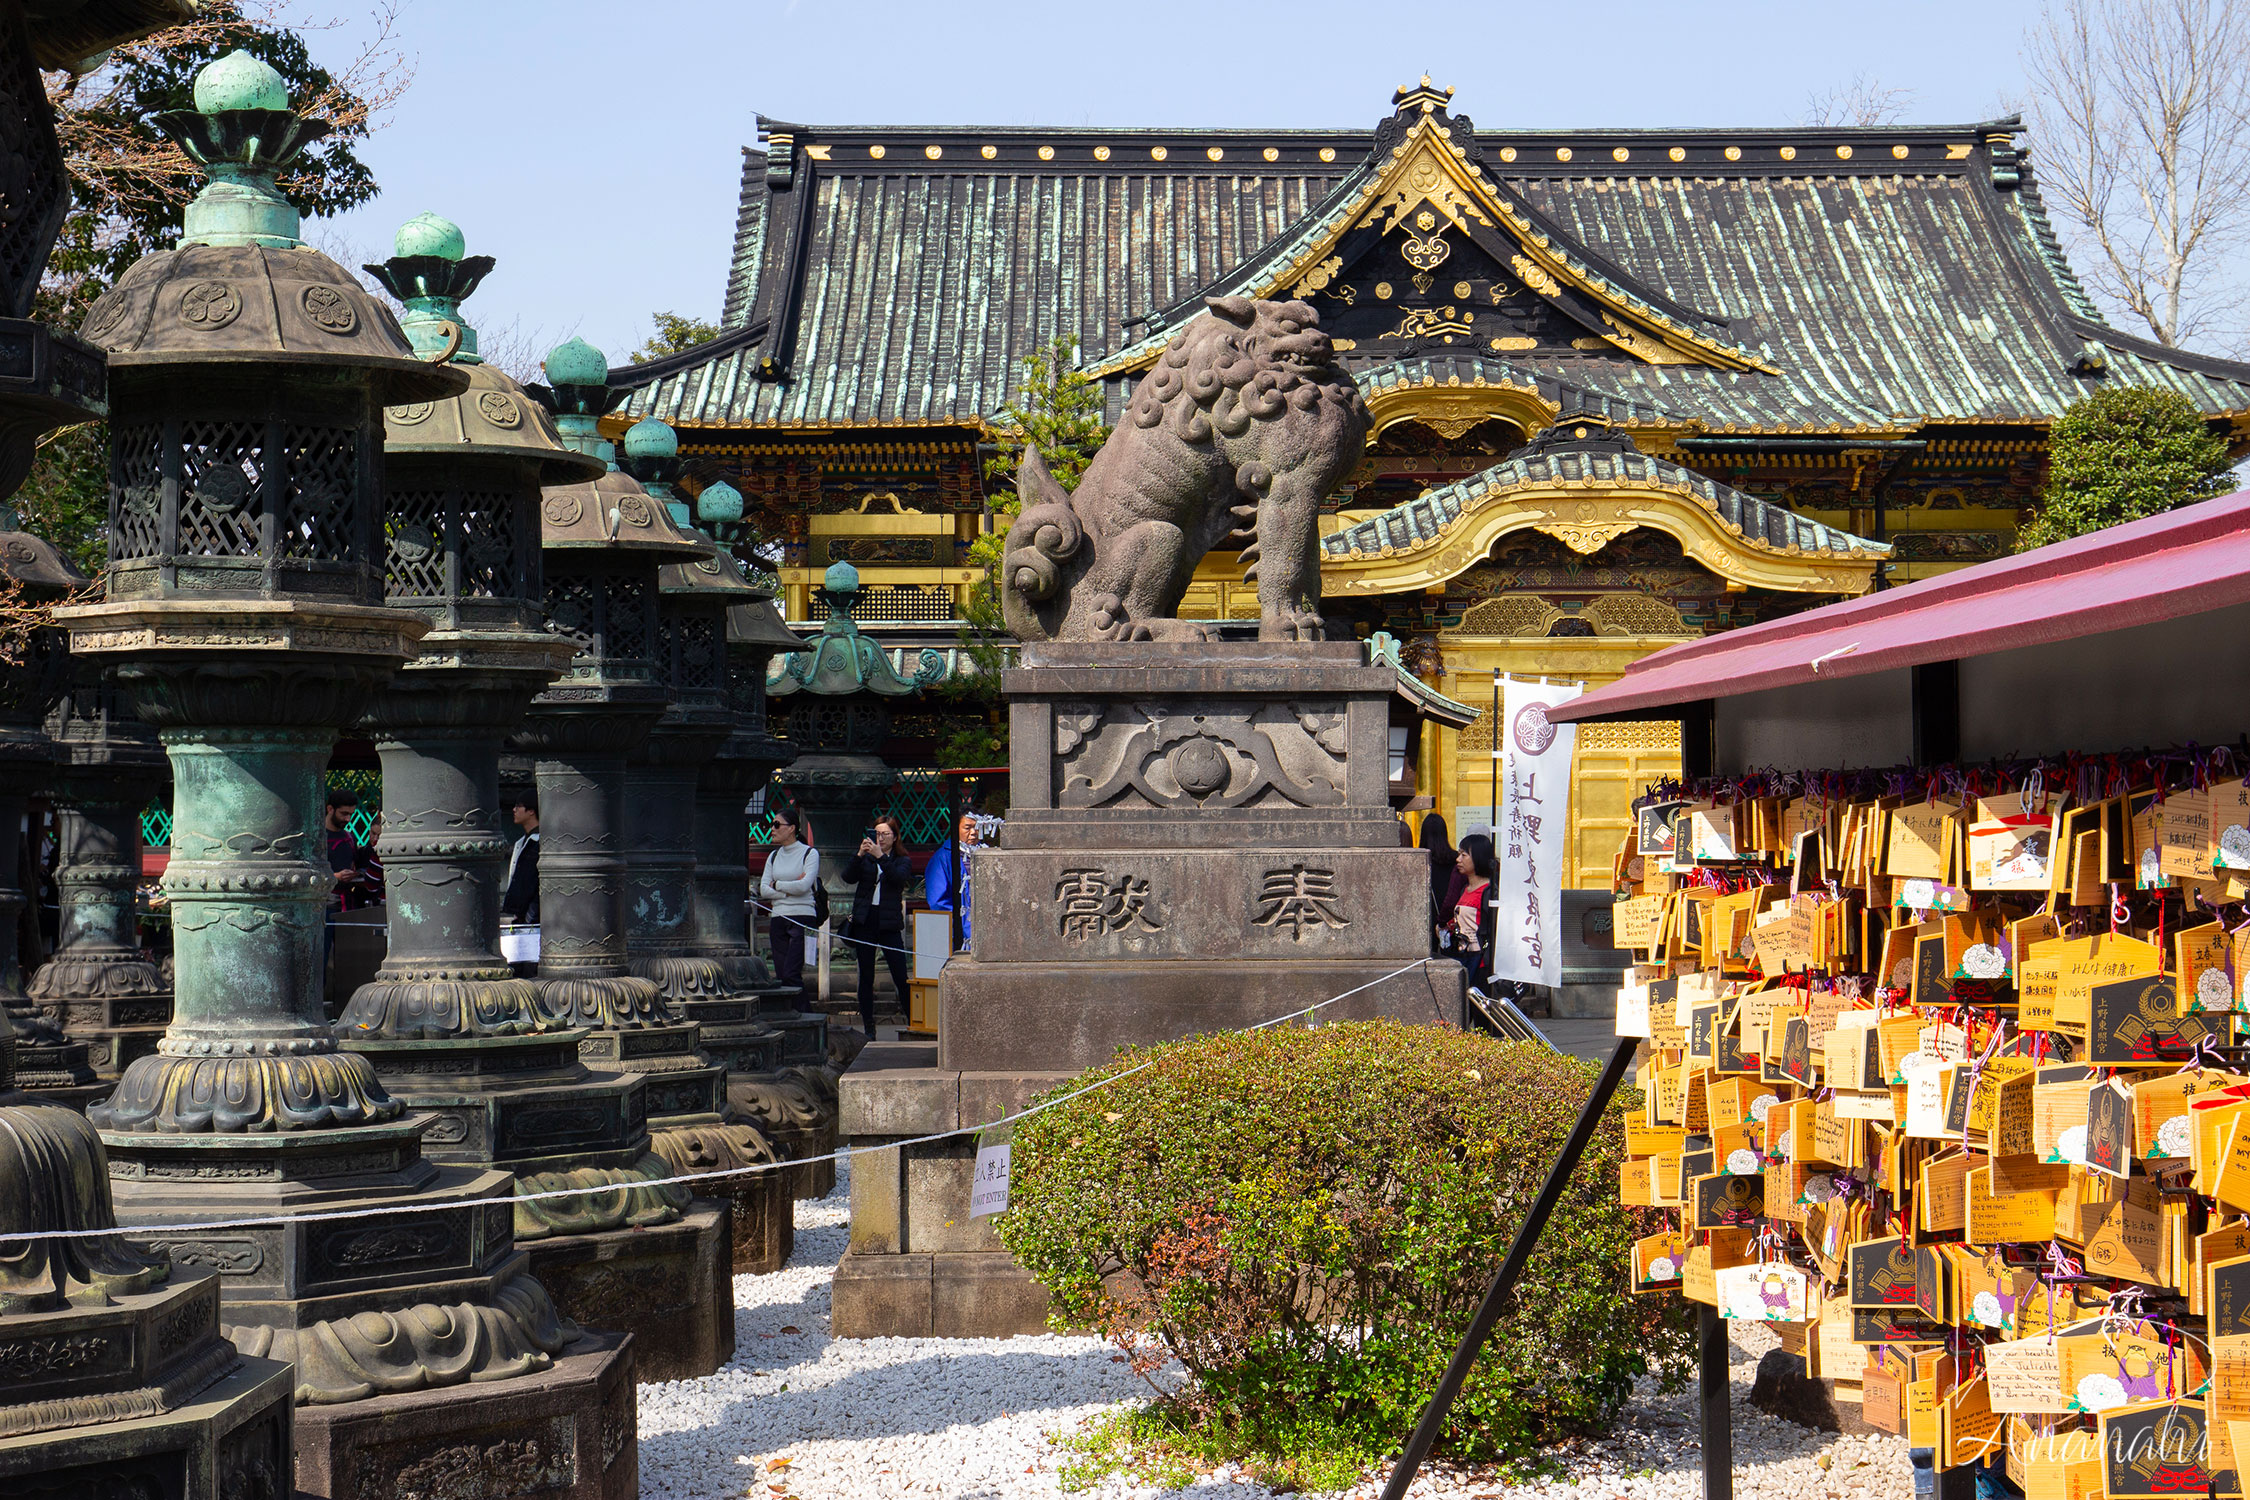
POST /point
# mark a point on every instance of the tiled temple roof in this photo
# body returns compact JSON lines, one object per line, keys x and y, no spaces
{"x":1889,"y":278}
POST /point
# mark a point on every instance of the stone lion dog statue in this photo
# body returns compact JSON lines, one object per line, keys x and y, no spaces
{"x":1246,"y":420}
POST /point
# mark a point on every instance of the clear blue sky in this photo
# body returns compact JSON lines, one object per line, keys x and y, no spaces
{"x":596,"y":149}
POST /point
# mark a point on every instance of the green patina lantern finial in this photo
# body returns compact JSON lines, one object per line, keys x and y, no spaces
{"x":652,"y":455}
{"x":577,"y":392}
{"x":720,"y":504}
{"x":430,"y":272}
{"x":243,"y":133}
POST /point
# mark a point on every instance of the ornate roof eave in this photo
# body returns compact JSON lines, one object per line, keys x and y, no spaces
{"x":1449,"y":530}
{"x":1638,"y":321}
{"x":1413,"y":390}
{"x":1383,"y":650}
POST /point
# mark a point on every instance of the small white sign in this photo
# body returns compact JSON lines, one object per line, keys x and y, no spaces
{"x":988,"y":1186}
{"x":519,"y":945}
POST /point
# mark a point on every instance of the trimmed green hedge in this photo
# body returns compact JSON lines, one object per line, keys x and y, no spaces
{"x":1306,"y":1220}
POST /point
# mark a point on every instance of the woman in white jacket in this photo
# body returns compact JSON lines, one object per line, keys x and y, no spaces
{"x":786,"y":886}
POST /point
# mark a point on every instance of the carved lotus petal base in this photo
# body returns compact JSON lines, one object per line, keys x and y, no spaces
{"x":823,"y":1081}
{"x":685,"y":978}
{"x":31,"y":1028}
{"x":70,"y":976}
{"x":606,"y":1003}
{"x":53,"y":1176}
{"x":630,"y":1203}
{"x":713,"y":1148}
{"x":779,"y":1101}
{"x":397,"y":1008}
{"x":419,"y":1347}
{"x":238,"y":1095}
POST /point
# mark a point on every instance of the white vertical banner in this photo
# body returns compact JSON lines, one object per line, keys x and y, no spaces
{"x":1533,"y":834}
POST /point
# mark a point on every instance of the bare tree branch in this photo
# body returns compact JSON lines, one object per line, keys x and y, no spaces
{"x":1863,"y":101}
{"x":2138,"y":118}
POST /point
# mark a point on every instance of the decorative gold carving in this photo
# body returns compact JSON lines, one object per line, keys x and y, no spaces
{"x":1843,"y":153}
{"x":1425,"y":253}
{"x":1461,"y":291}
{"x":1638,"y":344}
{"x":1678,"y":153}
{"x":1562,"y":153}
{"x":1383,"y":291}
{"x":988,"y":152}
{"x":1215,"y":153}
{"x":1328,"y":153}
{"x":876,"y":151}
{"x":1789,"y":153}
{"x":1514,"y":341}
{"x":1899,"y":152}
{"x":1508,"y":614}
{"x":1630,"y":734}
{"x":933,"y":152}
{"x":1734,"y":153}
{"x":1271,"y":154}
{"x":1535,"y":276}
{"x":1421,"y":280}
{"x":1429,"y":322}
{"x":1958,"y":153}
{"x":1582,"y":538}
{"x":1507,"y":153}
{"x":1101,"y":153}
{"x":1633,"y":614}
{"x":1620,"y":154}
{"x":1317,"y":279}
{"x":1158,"y":153}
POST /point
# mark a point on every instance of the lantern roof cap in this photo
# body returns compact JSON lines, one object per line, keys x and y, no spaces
{"x":493,"y":418}
{"x":614,"y":511}
{"x":259,"y":305}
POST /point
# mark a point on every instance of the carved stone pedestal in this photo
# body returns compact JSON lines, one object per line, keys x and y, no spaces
{"x":97,"y":984}
{"x":564,"y":1434}
{"x":116,"y":1381}
{"x":231,"y":1439}
{"x":432,"y":1295}
{"x":672,"y":1285}
{"x":1199,"y":838}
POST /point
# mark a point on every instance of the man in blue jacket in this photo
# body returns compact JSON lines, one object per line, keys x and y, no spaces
{"x":937,"y":876}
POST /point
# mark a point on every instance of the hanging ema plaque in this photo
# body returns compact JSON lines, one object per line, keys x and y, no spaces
{"x":2137,"y":1021}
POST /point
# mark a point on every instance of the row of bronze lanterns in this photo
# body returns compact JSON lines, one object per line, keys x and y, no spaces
{"x":323,"y":522}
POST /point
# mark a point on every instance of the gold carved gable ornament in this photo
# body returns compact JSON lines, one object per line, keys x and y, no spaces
{"x":1530,"y":615}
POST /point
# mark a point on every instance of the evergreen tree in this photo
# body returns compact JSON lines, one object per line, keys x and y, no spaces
{"x":2122,"y":454}
{"x":673,"y":335}
{"x":1058,"y":410}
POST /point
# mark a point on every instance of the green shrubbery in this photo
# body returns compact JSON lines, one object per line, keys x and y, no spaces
{"x":2125,"y":453}
{"x":1306,"y":1220}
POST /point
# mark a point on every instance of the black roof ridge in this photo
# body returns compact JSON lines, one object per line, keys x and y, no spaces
{"x":1716,"y":133}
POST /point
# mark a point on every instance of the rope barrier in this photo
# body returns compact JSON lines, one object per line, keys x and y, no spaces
{"x":841,"y":1154}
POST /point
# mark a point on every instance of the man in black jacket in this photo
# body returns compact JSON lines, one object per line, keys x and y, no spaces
{"x":521,"y":903}
{"x":879,"y":874}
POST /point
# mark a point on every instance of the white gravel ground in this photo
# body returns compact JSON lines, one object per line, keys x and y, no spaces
{"x":803,"y":1415}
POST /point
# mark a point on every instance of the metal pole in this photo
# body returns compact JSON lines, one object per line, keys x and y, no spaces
{"x":1496,"y":758}
{"x":1503,"y":1283}
{"x":1714,"y":1406}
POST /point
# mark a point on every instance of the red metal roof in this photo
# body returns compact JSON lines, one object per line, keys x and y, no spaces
{"x":2184,"y":562}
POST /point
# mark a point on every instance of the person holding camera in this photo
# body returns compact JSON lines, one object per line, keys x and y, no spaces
{"x":879,"y":874}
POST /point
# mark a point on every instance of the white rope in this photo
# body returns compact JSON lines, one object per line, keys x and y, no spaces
{"x":844,"y":1153}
